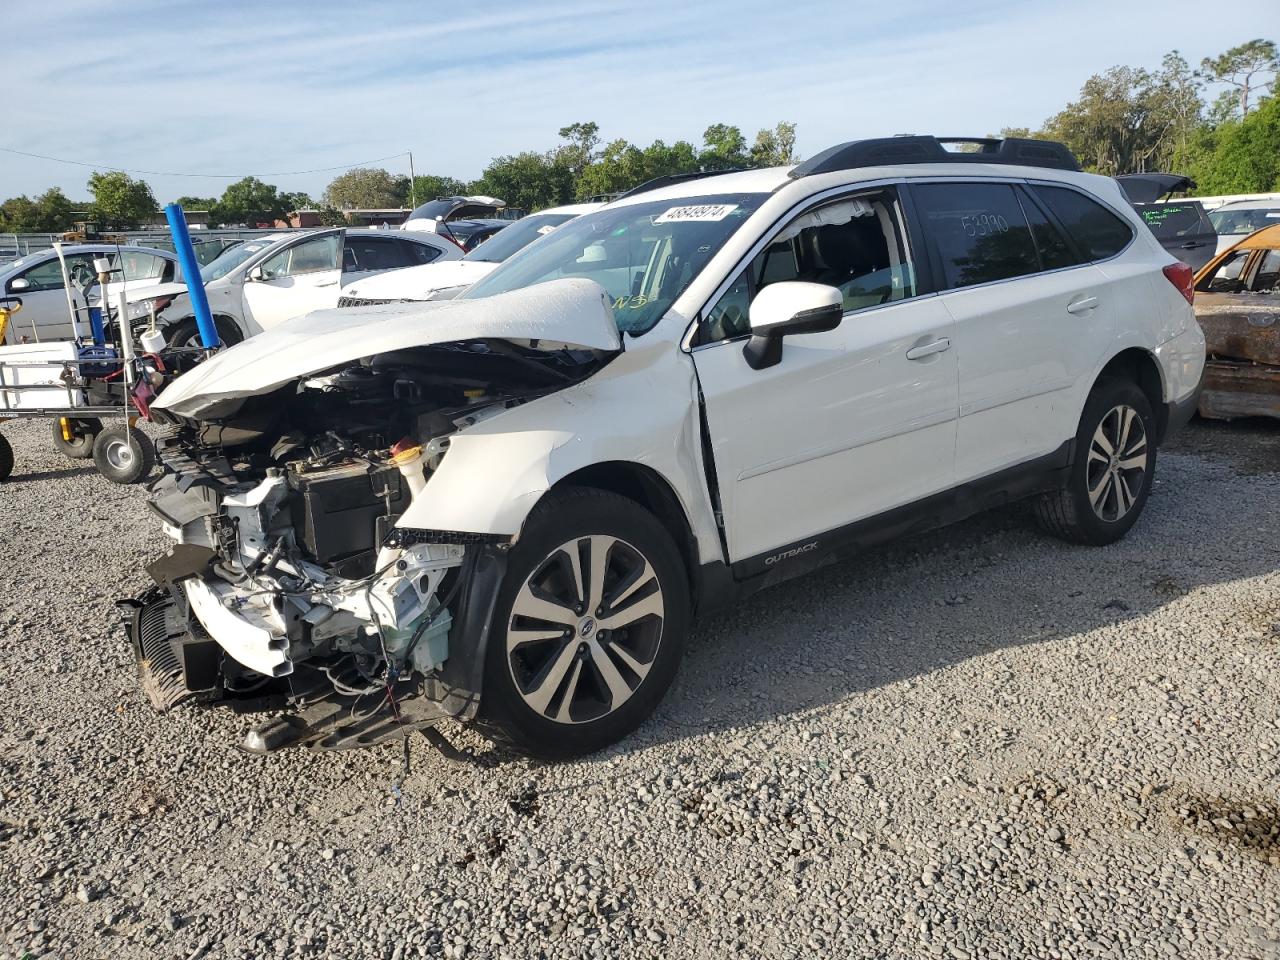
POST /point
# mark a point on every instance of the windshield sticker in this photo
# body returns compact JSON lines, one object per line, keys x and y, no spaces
{"x":701,"y":213}
{"x":543,"y":231}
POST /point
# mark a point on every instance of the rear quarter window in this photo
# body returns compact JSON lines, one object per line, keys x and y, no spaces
{"x":1098,"y":232}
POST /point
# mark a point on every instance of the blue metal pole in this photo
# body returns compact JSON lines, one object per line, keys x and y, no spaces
{"x":191,"y":271}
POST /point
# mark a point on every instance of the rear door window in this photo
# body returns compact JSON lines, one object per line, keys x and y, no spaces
{"x":135,"y":265}
{"x":978,"y":230}
{"x":364,"y":254}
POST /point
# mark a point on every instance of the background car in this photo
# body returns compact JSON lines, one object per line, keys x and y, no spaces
{"x":1235,"y":221}
{"x":1183,"y":228}
{"x":265,"y":281}
{"x":445,"y":209}
{"x":445,"y":280}
{"x":1238,"y":306}
{"x":36,"y":280}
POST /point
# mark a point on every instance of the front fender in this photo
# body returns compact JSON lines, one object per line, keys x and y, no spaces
{"x":641,"y":408}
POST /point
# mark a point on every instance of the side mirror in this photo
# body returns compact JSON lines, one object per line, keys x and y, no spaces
{"x":786,"y":308}
{"x":255,"y":273}
{"x":19,"y":285}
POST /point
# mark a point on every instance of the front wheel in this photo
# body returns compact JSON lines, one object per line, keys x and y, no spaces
{"x":124,"y":454}
{"x":6,"y":458}
{"x":589,"y":628}
{"x":1110,"y":478}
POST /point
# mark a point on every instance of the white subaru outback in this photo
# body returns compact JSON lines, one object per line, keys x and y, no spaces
{"x":508,"y":508}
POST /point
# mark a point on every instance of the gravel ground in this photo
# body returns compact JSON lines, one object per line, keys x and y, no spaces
{"x":980,"y":743}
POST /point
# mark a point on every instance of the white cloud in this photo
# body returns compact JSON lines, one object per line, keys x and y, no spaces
{"x":241,"y":87}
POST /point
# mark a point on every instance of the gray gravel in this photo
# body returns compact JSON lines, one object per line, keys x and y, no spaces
{"x":980,"y":743}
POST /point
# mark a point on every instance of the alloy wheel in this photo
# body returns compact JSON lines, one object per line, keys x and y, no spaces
{"x":585,"y":629}
{"x":1117,"y":465}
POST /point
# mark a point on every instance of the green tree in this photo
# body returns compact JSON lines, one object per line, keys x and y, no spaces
{"x":1241,"y":156}
{"x":1249,"y":67}
{"x":580,"y":148}
{"x":297,"y":201}
{"x":48,"y":213}
{"x":776,"y":147}
{"x":427,"y":186}
{"x":250,"y":201}
{"x":621,"y":166}
{"x":529,"y":181}
{"x":332,"y":217}
{"x":723,"y":148}
{"x":119,"y":201}
{"x":366,"y":188}
{"x":1129,"y":120}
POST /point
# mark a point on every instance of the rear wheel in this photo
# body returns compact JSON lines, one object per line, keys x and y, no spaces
{"x":1115,"y":462}
{"x":83,"y":431}
{"x":124,"y":454}
{"x":6,"y":458}
{"x":589,"y":629}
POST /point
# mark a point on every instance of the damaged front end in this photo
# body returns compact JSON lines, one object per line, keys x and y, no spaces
{"x":293,"y":584}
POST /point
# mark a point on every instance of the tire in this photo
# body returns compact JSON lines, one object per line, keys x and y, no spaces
{"x":1103,"y":498}
{"x":83,"y":432}
{"x":6,"y":458}
{"x":563,"y":684}
{"x":124,"y":454}
{"x":185,"y":335}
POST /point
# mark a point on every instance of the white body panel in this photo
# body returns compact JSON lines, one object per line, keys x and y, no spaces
{"x":419,"y":283}
{"x":1022,"y":356}
{"x":844,"y":427}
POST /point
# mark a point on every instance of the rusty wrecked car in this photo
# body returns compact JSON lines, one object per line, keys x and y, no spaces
{"x":1238,"y":306}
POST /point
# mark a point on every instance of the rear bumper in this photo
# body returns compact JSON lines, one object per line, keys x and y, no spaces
{"x":1233,"y":389}
{"x":1179,"y":412}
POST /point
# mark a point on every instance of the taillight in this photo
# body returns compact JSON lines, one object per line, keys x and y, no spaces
{"x":1182,"y":276}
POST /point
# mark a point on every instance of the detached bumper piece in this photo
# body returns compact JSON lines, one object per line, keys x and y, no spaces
{"x":1234,"y":388}
{"x":173,"y":665}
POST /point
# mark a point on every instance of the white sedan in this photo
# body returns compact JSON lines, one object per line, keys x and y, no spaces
{"x":267,"y":280}
{"x":443,"y":281}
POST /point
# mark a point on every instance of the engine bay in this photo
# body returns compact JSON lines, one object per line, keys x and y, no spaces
{"x":289,"y":572}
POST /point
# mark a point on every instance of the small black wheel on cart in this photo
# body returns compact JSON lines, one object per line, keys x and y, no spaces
{"x":73,"y":436}
{"x":124,"y":454}
{"x":6,"y":458}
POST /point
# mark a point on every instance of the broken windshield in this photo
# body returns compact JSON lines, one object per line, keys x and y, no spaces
{"x":644,"y":254}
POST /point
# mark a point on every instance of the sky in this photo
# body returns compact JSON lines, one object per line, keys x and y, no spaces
{"x":276,"y":87}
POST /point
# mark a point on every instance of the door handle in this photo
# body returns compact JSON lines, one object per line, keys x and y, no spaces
{"x":1192,"y":245}
{"x":929,"y":349}
{"x":328,"y":283}
{"x":1083,"y":305}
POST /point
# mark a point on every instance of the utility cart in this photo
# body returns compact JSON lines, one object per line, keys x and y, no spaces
{"x":91,"y":396}
{"x":94,"y":388}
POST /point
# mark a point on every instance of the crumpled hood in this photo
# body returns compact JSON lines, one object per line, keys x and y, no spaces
{"x":415,"y":283}
{"x":571,"y":312}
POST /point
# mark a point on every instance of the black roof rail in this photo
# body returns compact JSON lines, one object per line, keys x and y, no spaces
{"x":671,"y":178}
{"x":891,"y":151}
